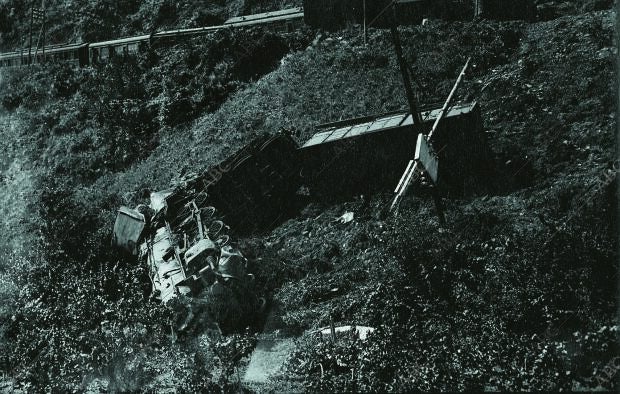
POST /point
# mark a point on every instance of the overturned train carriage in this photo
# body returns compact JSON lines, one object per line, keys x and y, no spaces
{"x":366,"y":155}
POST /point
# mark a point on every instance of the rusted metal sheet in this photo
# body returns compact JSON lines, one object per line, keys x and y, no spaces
{"x":128,"y":229}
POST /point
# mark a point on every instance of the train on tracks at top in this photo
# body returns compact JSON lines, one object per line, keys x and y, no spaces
{"x":325,"y":14}
{"x":85,"y":54}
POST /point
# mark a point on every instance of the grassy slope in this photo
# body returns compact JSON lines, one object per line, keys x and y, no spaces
{"x":489,"y":273}
{"x":507,"y":270}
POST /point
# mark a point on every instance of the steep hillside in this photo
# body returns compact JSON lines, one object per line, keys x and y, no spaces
{"x":515,"y":292}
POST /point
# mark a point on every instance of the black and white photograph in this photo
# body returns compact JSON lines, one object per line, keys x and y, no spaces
{"x":309,"y":196}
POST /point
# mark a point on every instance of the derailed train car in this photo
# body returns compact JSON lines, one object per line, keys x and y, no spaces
{"x":369,"y":154}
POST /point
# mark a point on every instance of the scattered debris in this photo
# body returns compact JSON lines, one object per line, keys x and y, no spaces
{"x":361,"y":331}
{"x":345,"y":218}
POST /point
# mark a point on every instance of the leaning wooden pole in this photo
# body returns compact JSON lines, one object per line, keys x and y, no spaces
{"x":30,"y":36}
{"x":413,"y":166}
{"x":43,"y":28}
{"x":413,"y":107}
{"x":365,"y":33}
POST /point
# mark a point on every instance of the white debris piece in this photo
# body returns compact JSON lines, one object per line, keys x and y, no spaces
{"x":362,"y":331}
{"x":346,"y":218}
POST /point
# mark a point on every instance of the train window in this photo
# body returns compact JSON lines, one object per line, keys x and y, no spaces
{"x":104,"y":53}
{"x":133,"y":48}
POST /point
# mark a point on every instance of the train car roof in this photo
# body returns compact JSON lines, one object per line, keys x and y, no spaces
{"x":286,"y":17}
{"x":11,"y":55}
{"x":48,"y":49}
{"x":356,"y":127}
{"x":121,"y":41}
{"x":63,"y":48}
{"x":182,"y":32}
{"x":264,"y":15}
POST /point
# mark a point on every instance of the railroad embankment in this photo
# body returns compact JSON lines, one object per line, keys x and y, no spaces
{"x":515,"y":292}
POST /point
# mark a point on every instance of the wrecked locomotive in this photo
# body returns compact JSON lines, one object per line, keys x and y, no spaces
{"x":185,"y":240}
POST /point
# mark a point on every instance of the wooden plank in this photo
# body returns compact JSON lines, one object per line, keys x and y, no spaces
{"x":405,"y":175}
{"x":404,"y":183}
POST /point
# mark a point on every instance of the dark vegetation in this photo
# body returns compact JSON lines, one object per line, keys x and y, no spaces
{"x":516,"y":292}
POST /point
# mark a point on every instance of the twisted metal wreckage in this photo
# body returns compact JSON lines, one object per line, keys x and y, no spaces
{"x":183,"y":238}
